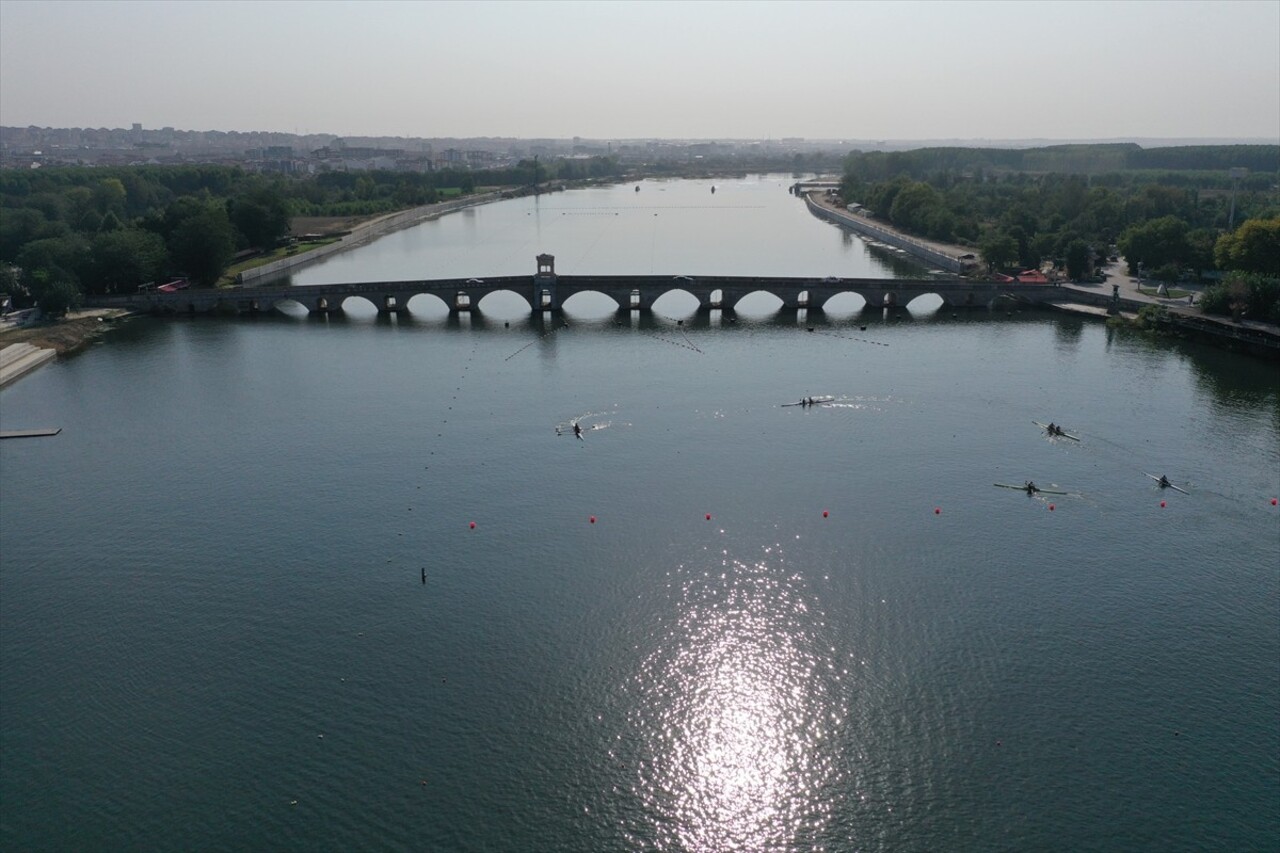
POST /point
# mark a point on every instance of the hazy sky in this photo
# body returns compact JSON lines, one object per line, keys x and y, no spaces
{"x":857,"y":70}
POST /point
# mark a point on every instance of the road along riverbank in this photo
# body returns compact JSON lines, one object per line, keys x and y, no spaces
{"x":956,"y":259}
{"x":362,"y":234}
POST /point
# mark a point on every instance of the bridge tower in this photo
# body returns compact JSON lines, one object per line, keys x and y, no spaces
{"x":544,"y":285}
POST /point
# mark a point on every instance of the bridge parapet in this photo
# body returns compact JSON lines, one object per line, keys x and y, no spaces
{"x":548,"y":292}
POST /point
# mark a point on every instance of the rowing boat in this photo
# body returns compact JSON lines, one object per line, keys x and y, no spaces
{"x":811,"y":401}
{"x":1055,"y":434}
{"x":1038,"y":491}
{"x":1170,"y":485}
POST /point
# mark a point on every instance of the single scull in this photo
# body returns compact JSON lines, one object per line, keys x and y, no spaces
{"x":1164,"y":483}
{"x":1037,"y":491}
{"x":1058,"y":434}
{"x":811,"y":401}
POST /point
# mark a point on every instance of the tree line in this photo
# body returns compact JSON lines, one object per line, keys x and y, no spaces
{"x":70,"y":231}
{"x":1168,"y":225}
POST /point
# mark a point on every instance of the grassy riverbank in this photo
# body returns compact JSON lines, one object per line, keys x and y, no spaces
{"x":229,"y":276}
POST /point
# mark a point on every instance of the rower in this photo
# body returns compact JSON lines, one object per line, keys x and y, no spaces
{"x":1031,"y":487}
{"x":577,"y":429}
{"x":1164,"y":481}
{"x":1053,"y":429}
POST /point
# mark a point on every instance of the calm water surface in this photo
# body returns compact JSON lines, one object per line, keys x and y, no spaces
{"x":215,"y":634}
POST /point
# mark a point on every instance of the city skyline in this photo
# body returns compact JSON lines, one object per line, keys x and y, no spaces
{"x":867,"y":71}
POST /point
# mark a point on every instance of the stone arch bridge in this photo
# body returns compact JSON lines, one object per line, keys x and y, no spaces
{"x":548,"y":292}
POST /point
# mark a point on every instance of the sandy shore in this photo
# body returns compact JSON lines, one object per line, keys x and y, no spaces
{"x":65,"y":335}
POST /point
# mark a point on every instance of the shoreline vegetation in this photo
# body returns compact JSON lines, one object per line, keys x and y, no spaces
{"x":1176,"y":214}
{"x":1206,"y":215}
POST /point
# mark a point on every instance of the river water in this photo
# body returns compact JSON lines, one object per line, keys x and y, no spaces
{"x":243,"y":605}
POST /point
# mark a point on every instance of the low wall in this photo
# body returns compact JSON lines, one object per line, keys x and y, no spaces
{"x":361,"y":235}
{"x":864,"y":226}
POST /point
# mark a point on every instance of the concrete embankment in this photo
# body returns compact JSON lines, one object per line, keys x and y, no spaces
{"x":361,"y":235}
{"x":17,"y":360}
{"x":931,"y":254}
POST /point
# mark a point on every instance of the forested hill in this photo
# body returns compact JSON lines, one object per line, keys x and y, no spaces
{"x":1068,"y":159}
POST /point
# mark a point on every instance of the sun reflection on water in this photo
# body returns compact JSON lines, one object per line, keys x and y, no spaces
{"x":735,"y":712}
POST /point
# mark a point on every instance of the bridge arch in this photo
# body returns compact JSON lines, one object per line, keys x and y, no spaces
{"x":677,"y":302}
{"x":590,"y":303}
{"x":427,"y":304}
{"x":286,"y":305}
{"x":503,"y":303}
{"x":926,"y":304}
{"x":845,"y":303}
{"x":757,"y":303}
{"x":358,"y":304}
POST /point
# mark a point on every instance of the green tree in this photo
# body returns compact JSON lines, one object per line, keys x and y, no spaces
{"x":18,"y":228}
{"x":121,"y":260}
{"x":203,"y":244}
{"x":912,"y":204}
{"x":998,"y":250}
{"x":262,"y":217}
{"x":1155,"y":243}
{"x":1200,"y":243}
{"x":56,"y":296}
{"x":52,"y":259}
{"x":1077,"y":257}
{"x":109,"y":196}
{"x":1253,"y":247}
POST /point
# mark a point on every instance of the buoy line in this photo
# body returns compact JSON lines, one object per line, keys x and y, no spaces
{"x":536,"y":340}
{"x":680,"y":344}
{"x":852,"y":338}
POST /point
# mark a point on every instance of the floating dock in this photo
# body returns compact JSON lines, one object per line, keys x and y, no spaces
{"x":17,"y":360}
{"x":28,"y":433}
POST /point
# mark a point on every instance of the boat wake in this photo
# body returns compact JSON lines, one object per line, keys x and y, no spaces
{"x":589,"y":421}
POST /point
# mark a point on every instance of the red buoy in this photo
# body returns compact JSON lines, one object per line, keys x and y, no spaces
{"x":473,"y":525}
{"x":1162,"y":504}
{"x":708,"y":516}
{"x":1050,"y":507}
{"x":593,"y":519}
{"x":937,"y":510}
{"x":824,"y":513}
{"x":1274,"y":501}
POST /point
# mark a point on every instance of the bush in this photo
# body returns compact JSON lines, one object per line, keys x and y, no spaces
{"x":57,"y":297}
{"x":1244,"y":295}
{"x":1152,"y":316}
